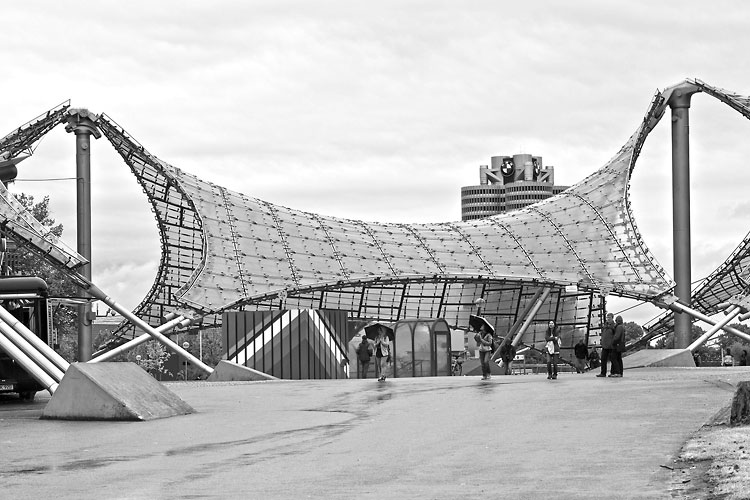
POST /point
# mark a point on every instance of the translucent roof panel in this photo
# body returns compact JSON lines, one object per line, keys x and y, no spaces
{"x":222,"y":249}
{"x":251,"y":250}
{"x":25,"y":228}
{"x":18,"y":221}
{"x":582,"y":236}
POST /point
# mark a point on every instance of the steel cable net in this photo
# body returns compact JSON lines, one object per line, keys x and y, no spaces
{"x":253,"y":250}
{"x":27,"y":230}
{"x":15,"y":219}
{"x":224,"y":250}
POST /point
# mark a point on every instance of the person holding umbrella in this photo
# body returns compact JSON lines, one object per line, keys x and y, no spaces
{"x":382,"y":353}
{"x":382,"y":337}
{"x":483,"y":338}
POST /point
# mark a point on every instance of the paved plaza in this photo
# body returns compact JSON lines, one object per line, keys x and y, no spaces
{"x":519,"y":437}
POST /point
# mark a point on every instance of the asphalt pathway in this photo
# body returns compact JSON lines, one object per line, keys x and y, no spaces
{"x":521,"y":436}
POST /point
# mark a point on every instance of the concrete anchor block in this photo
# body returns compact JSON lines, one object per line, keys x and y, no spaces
{"x":227,"y":371}
{"x":112,"y":391}
{"x":646,"y":358}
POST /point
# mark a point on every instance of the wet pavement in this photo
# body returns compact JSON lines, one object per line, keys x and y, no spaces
{"x":519,"y":436}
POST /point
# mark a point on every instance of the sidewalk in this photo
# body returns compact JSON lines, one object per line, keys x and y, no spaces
{"x":518,"y":437}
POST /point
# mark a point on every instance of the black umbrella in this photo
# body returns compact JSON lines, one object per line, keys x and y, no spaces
{"x":372,"y":329}
{"x":477,"y":321}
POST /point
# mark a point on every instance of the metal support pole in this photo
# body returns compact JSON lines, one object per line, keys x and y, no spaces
{"x":31,"y":352}
{"x":97,"y":293}
{"x":522,"y":316}
{"x":170,"y":325}
{"x":530,"y":317}
{"x":81,"y":123}
{"x":28,"y":364}
{"x":514,"y":328}
{"x":29,"y":337}
{"x":679,"y":102}
{"x":731,"y":314}
{"x":677,"y":307}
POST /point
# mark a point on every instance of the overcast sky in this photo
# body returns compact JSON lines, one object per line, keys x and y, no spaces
{"x":377,"y":111}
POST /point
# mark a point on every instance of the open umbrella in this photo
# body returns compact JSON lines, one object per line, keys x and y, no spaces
{"x":372,"y":329}
{"x":477,"y":321}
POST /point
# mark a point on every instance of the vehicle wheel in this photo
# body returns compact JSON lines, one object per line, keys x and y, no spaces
{"x":27,"y":396}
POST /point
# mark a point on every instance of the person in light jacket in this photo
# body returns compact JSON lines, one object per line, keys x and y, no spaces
{"x":553,"y":350}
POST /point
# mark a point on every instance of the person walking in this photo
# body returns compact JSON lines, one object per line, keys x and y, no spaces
{"x":382,"y":354}
{"x":507,"y":353}
{"x":552,"y":336}
{"x":608,"y":333}
{"x":364,"y":353}
{"x":743,"y":358}
{"x":618,"y":347}
{"x":581,"y":354}
{"x":484,"y":341}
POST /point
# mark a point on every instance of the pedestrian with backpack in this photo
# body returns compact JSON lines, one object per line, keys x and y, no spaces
{"x":364,"y":353}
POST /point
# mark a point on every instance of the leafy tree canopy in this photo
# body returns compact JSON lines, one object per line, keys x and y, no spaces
{"x":28,"y":263}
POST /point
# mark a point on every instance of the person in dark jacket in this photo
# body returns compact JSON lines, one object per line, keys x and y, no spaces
{"x":364,"y":353}
{"x":618,"y":347}
{"x":608,"y":333}
{"x":507,"y":353}
{"x":594,"y":361}
{"x":581,"y":354}
{"x":743,"y":358}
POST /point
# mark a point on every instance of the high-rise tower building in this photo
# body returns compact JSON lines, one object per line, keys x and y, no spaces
{"x":509,"y":183}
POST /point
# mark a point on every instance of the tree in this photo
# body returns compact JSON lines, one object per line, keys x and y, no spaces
{"x":212,"y":350}
{"x":708,"y":353}
{"x":41,"y":212}
{"x":27,"y":263}
{"x":727,"y":340}
{"x":667,"y":341}
{"x":152,"y":356}
{"x":735,"y":344}
{"x":633,"y":331}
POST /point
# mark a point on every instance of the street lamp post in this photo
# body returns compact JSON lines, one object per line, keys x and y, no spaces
{"x":186,"y":346}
